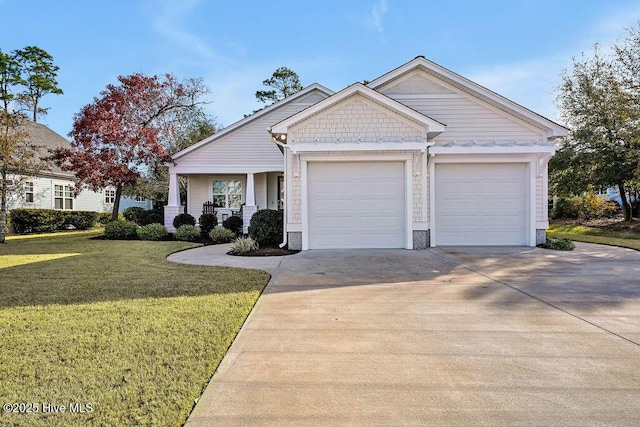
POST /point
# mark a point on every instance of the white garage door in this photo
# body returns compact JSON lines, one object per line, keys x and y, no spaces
{"x":356,"y":205}
{"x":481,"y":204}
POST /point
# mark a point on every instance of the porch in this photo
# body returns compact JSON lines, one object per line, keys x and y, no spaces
{"x":227,"y":194}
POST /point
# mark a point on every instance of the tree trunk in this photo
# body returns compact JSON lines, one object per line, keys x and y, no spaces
{"x":3,"y":208}
{"x":116,"y":203}
{"x":626,"y":208}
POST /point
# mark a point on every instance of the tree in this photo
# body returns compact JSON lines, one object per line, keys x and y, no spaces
{"x":24,"y":80}
{"x":284,"y":82}
{"x":598,"y":98}
{"x":39,"y":77}
{"x":155,"y":184}
{"x":123,"y":135}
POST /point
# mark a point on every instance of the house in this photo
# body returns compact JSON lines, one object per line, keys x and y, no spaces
{"x":419,"y":157}
{"x":52,"y":188}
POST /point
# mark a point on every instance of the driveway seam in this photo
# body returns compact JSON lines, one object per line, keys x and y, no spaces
{"x":533,"y":296}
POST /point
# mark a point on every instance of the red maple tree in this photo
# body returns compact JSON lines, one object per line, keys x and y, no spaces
{"x":123,"y":134}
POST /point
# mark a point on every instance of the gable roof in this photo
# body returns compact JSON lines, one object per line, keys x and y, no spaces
{"x":434,"y":127}
{"x":240,"y":123}
{"x":47,"y":140}
{"x":552,"y":128}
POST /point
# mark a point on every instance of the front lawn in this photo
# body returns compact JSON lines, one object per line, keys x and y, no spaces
{"x":605,"y":232}
{"x":114,"y":325}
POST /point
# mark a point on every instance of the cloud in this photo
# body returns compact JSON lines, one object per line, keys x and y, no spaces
{"x":533,"y":82}
{"x":374,"y":19}
{"x":169,"y":20}
{"x":529,"y":83}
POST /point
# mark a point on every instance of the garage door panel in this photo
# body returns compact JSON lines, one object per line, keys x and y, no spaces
{"x":480,"y":204}
{"x":367,"y":196}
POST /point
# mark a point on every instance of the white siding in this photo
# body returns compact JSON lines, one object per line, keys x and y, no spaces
{"x":414,"y":83}
{"x":250,"y":145}
{"x":467,"y":118}
{"x":540,"y":199}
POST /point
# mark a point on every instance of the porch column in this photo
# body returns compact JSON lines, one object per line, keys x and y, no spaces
{"x":174,"y":190}
{"x":250,"y":199}
{"x":249,"y":203}
{"x":173,"y":208}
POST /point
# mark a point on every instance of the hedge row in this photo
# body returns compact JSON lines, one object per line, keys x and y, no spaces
{"x":45,"y":220}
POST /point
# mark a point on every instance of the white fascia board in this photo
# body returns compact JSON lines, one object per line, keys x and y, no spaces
{"x":529,"y":149}
{"x":252,"y":117}
{"x":208,"y":170}
{"x":555,"y":129}
{"x":358,"y":88}
{"x":384,"y":146}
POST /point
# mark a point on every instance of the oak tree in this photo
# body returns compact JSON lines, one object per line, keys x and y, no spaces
{"x":599,"y":99}
{"x":123,"y":135}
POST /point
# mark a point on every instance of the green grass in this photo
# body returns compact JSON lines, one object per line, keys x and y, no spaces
{"x":113,"y":324}
{"x":624,"y":239}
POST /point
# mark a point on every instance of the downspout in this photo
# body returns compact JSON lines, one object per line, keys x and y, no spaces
{"x":284,"y":204}
{"x":284,"y":182}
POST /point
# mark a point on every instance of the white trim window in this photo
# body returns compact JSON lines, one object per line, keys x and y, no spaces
{"x":63,"y":197}
{"x":227,"y":193}
{"x":140,"y":198}
{"x":29,"y":195}
{"x":110,"y":196}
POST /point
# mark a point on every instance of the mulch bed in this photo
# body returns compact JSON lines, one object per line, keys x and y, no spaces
{"x":267,"y":252}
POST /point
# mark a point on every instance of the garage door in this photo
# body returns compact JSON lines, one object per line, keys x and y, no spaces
{"x":480,"y":204}
{"x":356,"y":205}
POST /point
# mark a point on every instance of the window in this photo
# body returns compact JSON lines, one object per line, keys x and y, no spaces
{"x":281,"y":192}
{"x":227,"y":193}
{"x":110,"y":196}
{"x":63,"y":197}
{"x":140,"y":199}
{"x":28,"y":192}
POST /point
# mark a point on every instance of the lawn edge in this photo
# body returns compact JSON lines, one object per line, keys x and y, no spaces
{"x":589,"y":238}
{"x":215,"y":371}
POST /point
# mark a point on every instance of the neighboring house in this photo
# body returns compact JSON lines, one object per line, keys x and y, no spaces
{"x":52,"y":188}
{"x":419,"y":157}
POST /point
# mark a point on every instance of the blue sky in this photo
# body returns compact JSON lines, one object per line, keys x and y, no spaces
{"x":516,"y":48}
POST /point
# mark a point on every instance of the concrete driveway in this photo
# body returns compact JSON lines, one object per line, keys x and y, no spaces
{"x":473,"y":336}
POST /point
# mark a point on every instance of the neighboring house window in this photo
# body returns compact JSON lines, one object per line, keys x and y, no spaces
{"x":140,"y":199}
{"x":28,"y":192}
{"x":110,"y":196}
{"x":227,"y":193}
{"x":63,"y":197}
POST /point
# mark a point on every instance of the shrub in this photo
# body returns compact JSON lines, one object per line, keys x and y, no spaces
{"x":242,"y":245}
{"x":152,"y":232}
{"x":233,"y":223}
{"x":187,"y":233}
{"x":265,"y":227}
{"x":183,"y":219}
{"x":558,"y":244}
{"x":80,"y":220}
{"x":104,"y":217}
{"x":589,"y":205}
{"x":135,"y":214}
{"x":37,"y":220}
{"x":221,"y":235}
{"x":152,"y":216}
{"x":566,"y":208}
{"x":207,"y":222}
{"x":120,"y":230}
